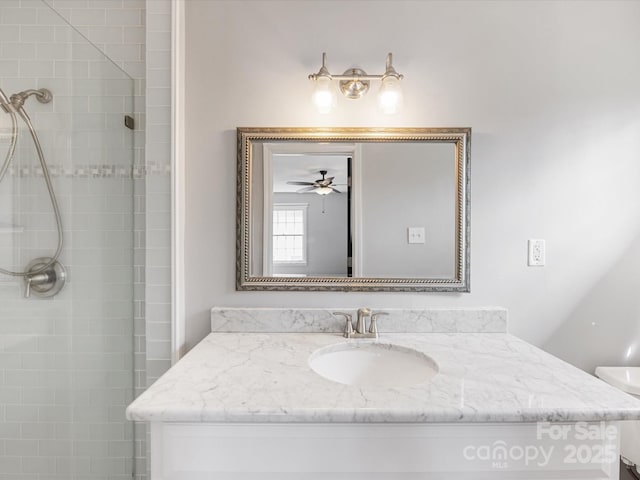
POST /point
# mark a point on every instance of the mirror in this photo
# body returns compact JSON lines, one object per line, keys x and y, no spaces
{"x":353,"y":209}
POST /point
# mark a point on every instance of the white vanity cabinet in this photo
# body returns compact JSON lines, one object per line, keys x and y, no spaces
{"x":245,"y":404}
{"x":191,"y":451}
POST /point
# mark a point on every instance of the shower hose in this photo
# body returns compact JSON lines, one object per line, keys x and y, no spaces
{"x":13,"y":106}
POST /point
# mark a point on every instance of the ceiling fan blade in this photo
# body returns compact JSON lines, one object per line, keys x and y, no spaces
{"x":300,"y":183}
{"x":306,"y":189}
{"x":335,"y":190}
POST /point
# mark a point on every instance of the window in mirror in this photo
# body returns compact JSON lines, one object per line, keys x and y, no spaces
{"x":289,"y":239}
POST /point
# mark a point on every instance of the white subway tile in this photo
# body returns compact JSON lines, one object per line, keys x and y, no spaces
{"x":31,"y":4}
{"x":9,"y":33}
{"x":35,"y":34}
{"x":21,"y":413}
{"x":37,"y":430}
{"x":85,"y":51}
{"x":9,"y":430}
{"x":10,"y":465}
{"x":135,"y":69}
{"x":72,"y":69}
{"x":158,"y":78}
{"x":134,"y":35}
{"x":17,"y":51}
{"x":160,"y":22}
{"x":39,"y":465}
{"x":160,"y":133}
{"x":63,"y":4}
{"x":88,"y":16}
{"x":159,"y":7}
{"x":161,"y":221}
{"x":18,"y":16}
{"x":132,"y":16}
{"x":55,"y":413}
{"x":58,"y":86}
{"x":158,"y":60}
{"x":53,"y":51}
{"x":21,"y":447}
{"x":120,"y":53}
{"x":46,"y":17}
{"x":106,"y":34}
{"x":158,"y":41}
{"x":55,"y":448}
{"x":156,"y":367}
{"x":9,"y":395}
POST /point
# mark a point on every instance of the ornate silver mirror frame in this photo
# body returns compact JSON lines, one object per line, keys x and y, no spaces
{"x":247,"y":201}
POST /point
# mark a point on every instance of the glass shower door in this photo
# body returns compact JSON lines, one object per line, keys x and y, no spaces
{"x":66,"y":361}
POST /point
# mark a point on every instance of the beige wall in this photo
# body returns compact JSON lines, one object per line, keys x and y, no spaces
{"x":551,"y":91}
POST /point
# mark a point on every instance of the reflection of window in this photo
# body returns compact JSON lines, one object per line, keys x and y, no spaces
{"x":289,"y":233}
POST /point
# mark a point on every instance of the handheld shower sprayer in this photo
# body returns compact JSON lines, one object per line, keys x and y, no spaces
{"x":44,"y":276}
{"x":5,"y":103}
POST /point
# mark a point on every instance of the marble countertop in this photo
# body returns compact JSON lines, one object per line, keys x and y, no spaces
{"x":483,"y":377}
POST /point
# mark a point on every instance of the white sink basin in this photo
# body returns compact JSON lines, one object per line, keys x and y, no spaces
{"x":367,"y":364}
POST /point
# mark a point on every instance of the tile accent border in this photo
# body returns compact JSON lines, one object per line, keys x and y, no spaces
{"x":91,"y":171}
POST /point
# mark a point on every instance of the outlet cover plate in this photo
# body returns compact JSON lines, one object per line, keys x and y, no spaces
{"x":537,"y":254}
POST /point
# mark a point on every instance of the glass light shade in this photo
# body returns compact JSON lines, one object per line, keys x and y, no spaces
{"x":324,"y":95}
{"x":323,"y":190}
{"x":390,"y":95}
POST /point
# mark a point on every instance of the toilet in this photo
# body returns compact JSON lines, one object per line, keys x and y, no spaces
{"x":626,"y":379}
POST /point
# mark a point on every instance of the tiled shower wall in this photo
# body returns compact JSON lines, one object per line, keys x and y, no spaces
{"x":135,"y":34}
{"x":66,"y":362}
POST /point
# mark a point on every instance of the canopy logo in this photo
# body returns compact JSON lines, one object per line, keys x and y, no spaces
{"x":499,"y":454}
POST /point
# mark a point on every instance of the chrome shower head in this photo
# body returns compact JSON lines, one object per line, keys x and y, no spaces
{"x":43,"y":96}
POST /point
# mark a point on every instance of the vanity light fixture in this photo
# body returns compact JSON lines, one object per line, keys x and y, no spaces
{"x":354,"y":84}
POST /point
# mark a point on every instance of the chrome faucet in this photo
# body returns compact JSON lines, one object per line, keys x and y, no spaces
{"x":360,"y":330}
{"x":360,"y":324}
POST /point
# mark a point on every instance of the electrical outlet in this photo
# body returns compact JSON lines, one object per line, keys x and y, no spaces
{"x":537,"y":255}
{"x":415,"y":234}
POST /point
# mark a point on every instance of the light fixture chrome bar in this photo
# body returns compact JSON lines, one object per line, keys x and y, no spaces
{"x":324,"y":72}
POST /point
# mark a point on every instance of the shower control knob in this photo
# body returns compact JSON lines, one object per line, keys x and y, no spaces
{"x":44,"y":277}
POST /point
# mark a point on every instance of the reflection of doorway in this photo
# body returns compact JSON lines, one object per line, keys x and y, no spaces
{"x":349,"y":218}
{"x":290,"y":172}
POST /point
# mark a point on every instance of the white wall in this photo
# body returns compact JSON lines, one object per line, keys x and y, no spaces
{"x":551,"y":91}
{"x":408,"y":185}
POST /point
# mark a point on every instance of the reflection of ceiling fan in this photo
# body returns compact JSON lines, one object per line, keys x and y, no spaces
{"x":322,"y":186}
